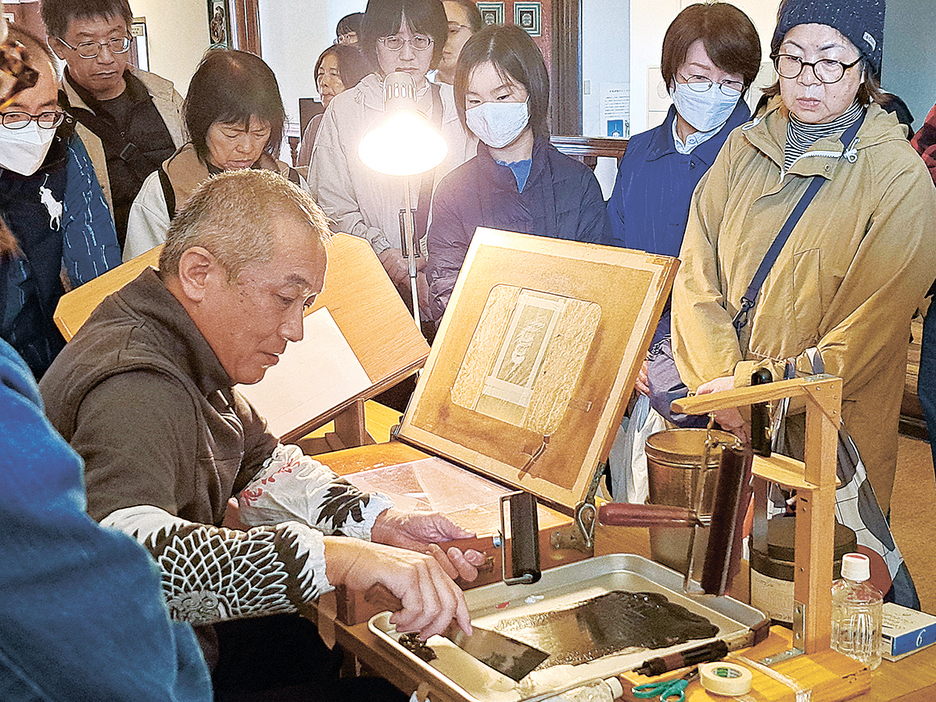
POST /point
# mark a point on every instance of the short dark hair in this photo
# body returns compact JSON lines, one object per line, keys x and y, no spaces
{"x":352,"y":64}
{"x":58,"y":14}
{"x":475,"y":20}
{"x":230,"y":87}
{"x":383,"y":18}
{"x":514,"y":55}
{"x":349,"y":23}
{"x":729,"y":37}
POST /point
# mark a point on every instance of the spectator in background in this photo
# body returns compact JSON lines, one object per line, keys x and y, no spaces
{"x":518,"y":181}
{"x":408,"y":36}
{"x":924,"y":141}
{"x":348,"y":29}
{"x":235,"y":118}
{"x":54,"y":211}
{"x":341,"y":66}
{"x":711,"y":55}
{"x":82,"y":612}
{"x":464,"y":19}
{"x":130,"y":120}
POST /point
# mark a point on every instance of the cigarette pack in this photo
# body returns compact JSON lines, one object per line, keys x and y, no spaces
{"x":905,"y":631}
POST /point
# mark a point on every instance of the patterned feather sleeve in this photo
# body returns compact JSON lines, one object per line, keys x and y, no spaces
{"x":294,"y":487}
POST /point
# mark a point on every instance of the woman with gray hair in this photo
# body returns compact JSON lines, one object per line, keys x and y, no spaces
{"x":856,"y":263}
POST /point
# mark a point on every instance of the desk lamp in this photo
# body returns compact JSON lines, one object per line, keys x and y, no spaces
{"x":403,"y":143}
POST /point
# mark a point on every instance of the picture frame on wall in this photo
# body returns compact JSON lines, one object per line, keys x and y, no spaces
{"x":492,"y":12}
{"x":219,"y":24}
{"x":529,"y":16}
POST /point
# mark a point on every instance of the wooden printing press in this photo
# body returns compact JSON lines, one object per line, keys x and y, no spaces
{"x":511,"y":424}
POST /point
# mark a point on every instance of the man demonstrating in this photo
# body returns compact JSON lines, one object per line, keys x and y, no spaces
{"x":144,"y":392}
{"x":129,"y":120}
{"x":464,"y":19}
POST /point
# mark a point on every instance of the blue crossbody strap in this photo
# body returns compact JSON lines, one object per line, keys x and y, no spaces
{"x":750,"y":296}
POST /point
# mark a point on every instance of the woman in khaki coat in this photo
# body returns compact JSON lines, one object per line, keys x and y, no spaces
{"x":857,"y":264}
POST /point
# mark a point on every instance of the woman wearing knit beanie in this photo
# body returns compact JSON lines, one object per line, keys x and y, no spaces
{"x":856,"y":264}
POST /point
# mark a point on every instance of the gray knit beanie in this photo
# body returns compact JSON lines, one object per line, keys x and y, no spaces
{"x":860,"y":21}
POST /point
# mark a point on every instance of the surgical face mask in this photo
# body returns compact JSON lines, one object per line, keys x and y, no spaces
{"x":24,"y":150}
{"x":498,"y":124}
{"x":705,"y":111}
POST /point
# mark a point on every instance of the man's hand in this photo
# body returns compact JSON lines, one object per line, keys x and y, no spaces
{"x":728,"y":419}
{"x":430,"y":598}
{"x":422,"y":531}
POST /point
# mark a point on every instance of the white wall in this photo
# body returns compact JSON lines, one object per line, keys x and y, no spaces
{"x":910,"y":55}
{"x":293,"y":33}
{"x":177,"y":35}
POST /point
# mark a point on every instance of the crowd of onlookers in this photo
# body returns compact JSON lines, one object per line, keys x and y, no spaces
{"x":805,"y":233}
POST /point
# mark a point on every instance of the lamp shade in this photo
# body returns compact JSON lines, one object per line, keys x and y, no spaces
{"x":402,"y":142}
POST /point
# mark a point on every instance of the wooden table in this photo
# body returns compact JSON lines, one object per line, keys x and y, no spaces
{"x":912,"y":679}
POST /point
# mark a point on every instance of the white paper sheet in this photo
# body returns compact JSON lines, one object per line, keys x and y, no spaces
{"x":312,"y":376}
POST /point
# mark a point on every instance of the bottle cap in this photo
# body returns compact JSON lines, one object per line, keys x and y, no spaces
{"x":856,"y":566}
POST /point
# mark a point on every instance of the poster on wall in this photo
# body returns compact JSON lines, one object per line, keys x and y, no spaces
{"x":492,"y":12}
{"x":140,"y":45}
{"x":219,"y":24}
{"x":529,"y":16}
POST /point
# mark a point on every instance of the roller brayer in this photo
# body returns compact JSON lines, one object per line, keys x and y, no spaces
{"x":732,"y":494}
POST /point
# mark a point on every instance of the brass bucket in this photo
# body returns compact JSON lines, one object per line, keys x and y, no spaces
{"x":674,"y":464}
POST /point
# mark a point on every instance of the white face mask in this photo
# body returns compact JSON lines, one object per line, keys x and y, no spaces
{"x":24,"y":150}
{"x":498,"y":124}
{"x":704,"y":111}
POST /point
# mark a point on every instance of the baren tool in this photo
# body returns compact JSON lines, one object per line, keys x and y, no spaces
{"x":507,"y":656}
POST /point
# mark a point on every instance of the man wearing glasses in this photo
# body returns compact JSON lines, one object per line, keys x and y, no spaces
{"x":130,"y":120}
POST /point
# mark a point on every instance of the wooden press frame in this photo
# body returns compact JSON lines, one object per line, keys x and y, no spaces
{"x":814,"y":481}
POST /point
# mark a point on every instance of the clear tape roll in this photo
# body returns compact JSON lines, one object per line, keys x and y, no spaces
{"x":725,"y":679}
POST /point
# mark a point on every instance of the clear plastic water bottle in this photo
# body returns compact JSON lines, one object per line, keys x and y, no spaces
{"x":857,"y":611}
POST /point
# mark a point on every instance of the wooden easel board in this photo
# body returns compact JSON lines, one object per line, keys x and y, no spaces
{"x":358,"y":297}
{"x":536,"y":358}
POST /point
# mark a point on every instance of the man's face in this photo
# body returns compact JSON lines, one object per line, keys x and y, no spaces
{"x":101,"y":76}
{"x":249,"y":321}
{"x":459,"y":32}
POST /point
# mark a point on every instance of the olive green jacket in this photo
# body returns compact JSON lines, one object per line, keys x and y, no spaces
{"x":847,"y":282}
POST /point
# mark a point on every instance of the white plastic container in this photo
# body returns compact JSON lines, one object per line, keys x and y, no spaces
{"x":857,"y":612}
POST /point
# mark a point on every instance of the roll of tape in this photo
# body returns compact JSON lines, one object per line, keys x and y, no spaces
{"x":725,"y":679}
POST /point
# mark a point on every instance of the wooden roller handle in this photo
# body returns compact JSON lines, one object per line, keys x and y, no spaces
{"x":632,"y":515}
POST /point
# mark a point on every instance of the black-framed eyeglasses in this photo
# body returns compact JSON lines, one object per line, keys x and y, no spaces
{"x":825,"y":70}
{"x":92,"y":49}
{"x":45,"y":120}
{"x":701,"y":84}
{"x":394,"y":43}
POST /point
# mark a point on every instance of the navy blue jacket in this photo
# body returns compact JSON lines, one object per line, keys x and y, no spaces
{"x":649,"y":206}
{"x":82,"y":616}
{"x":561,"y":199}
{"x":60,"y":221}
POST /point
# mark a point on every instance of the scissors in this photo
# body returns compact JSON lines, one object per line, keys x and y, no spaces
{"x":673,"y":690}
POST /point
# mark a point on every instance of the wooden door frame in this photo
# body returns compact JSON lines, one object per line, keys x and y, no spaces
{"x":246,"y":16}
{"x":566,"y":69}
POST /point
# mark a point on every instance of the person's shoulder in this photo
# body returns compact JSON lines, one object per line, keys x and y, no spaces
{"x":156,"y":85}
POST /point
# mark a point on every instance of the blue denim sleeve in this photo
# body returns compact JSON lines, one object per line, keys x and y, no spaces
{"x":82,"y":616}
{"x":90,"y":241}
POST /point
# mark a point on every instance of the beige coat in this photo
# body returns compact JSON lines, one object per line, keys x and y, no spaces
{"x":361,"y":201}
{"x":847,"y":281}
{"x":168,"y":103}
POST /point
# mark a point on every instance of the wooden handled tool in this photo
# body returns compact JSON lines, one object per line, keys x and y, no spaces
{"x":507,"y":656}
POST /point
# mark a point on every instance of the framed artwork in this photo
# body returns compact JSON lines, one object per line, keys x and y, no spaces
{"x":219,"y":24}
{"x":529,"y":16}
{"x":492,"y":12}
{"x":140,"y":51}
